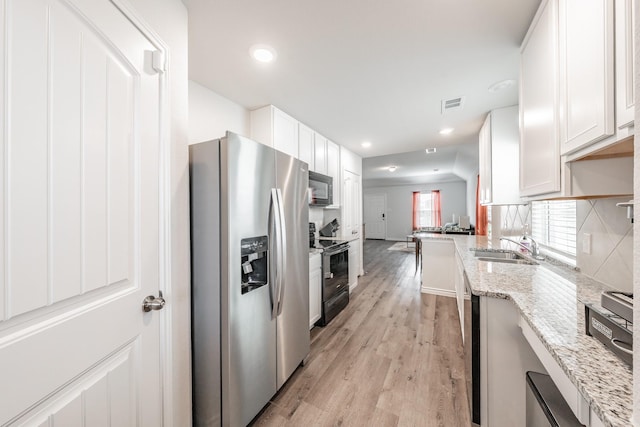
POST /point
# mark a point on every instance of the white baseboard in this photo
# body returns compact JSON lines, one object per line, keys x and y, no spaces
{"x":437,"y":291}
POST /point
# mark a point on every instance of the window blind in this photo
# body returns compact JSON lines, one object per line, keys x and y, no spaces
{"x":554,"y":225}
{"x":425,"y":209}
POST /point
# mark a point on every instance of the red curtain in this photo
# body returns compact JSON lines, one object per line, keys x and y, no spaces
{"x":416,"y":210}
{"x":481,"y":214}
{"x":437,"y":208}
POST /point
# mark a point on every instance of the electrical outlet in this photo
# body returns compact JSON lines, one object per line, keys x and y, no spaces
{"x":586,"y":243}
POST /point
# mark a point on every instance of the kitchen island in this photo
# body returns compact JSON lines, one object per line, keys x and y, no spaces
{"x":550,"y":300}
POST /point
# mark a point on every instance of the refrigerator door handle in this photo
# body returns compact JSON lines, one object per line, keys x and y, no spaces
{"x":279,"y":252}
{"x":282,"y":256}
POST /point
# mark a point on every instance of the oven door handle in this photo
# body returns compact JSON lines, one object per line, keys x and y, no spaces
{"x":337,"y":251}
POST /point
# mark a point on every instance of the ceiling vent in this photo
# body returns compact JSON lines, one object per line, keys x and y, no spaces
{"x":452,"y":104}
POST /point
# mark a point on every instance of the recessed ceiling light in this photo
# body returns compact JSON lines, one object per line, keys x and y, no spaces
{"x":446,"y":131}
{"x":430,"y":150}
{"x":498,"y":86}
{"x":263,"y":53}
{"x":366,"y":144}
{"x":392,"y":168}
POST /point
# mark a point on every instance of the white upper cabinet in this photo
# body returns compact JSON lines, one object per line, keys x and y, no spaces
{"x":305,"y":145}
{"x":567,"y":94}
{"x":499,"y":141}
{"x":333,"y":169}
{"x":586,"y":72}
{"x":625,"y":93}
{"x":539,"y":142}
{"x":275,"y":128}
{"x":484,"y":158}
{"x":320,"y":150}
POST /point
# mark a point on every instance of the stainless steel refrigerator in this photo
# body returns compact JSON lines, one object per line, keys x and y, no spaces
{"x":250,"y":276}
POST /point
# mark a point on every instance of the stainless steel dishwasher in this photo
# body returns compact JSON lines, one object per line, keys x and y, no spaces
{"x":545,"y":404}
{"x":472,"y":351}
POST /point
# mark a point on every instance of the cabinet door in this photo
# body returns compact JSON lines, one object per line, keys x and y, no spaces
{"x":438,"y":267}
{"x":305,"y":145}
{"x":285,"y":133}
{"x":586,"y":72}
{"x":485,"y":161}
{"x":460,"y":289}
{"x":351,"y":209}
{"x":625,"y":93}
{"x":320,"y":149}
{"x":539,"y":143}
{"x":315,"y":289}
{"x":354,"y":263}
{"x":333,"y":169}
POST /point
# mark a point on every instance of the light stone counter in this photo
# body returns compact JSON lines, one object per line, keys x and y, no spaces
{"x":551,"y":299}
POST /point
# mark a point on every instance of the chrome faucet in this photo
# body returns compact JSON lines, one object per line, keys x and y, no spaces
{"x":534,"y":250}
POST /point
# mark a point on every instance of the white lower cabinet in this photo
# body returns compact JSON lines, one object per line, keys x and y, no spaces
{"x":460,"y":290}
{"x":438,"y":266}
{"x":354,"y":263}
{"x":505,"y":357}
{"x":315,"y":288}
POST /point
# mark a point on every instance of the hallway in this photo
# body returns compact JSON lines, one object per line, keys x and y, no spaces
{"x":393,"y":357}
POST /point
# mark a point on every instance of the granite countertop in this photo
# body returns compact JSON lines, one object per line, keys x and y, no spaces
{"x":551,"y":299}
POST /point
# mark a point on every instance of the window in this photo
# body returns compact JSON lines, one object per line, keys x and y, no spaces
{"x":554,"y":227}
{"x":426,"y":209}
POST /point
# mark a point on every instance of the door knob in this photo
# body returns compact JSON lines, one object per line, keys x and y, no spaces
{"x":153,"y":303}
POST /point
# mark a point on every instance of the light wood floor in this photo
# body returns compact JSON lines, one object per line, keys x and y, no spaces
{"x":393,"y":357}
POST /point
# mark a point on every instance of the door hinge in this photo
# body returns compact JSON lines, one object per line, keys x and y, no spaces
{"x":158,"y":61}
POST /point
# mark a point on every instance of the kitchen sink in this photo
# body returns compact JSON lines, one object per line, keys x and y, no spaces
{"x":508,"y":257}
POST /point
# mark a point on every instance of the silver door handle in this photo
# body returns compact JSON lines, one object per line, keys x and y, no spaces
{"x":153,"y":303}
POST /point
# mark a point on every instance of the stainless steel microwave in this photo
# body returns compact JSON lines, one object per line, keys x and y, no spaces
{"x":320,"y":189}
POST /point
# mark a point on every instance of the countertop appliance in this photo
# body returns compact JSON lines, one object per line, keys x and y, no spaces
{"x":250,"y":276}
{"x":330,"y":229}
{"x":335,"y":278}
{"x":611,"y":323}
{"x":312,"y":234}
{"x":321,"y":189}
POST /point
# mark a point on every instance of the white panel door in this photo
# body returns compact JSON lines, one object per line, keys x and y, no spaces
{"x":79,"y":194}
{"x":375,"y":206}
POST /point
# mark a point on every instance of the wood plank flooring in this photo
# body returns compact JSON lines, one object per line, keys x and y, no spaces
{"x":393,"y":357}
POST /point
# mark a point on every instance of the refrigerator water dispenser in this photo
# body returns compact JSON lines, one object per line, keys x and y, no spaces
{"x":254,"y":263}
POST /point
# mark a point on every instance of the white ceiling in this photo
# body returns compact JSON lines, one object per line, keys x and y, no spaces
{"x":359,"y":70}
{"x":453,"y":163}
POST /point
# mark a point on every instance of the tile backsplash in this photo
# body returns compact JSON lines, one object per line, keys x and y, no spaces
{"x":509,"y":220}
{"x":611,"y":257}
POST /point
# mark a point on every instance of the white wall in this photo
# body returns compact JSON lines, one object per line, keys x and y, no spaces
{"x":399,"y":204}
{"x":168,"y":19}
{"x":211,"y":115}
